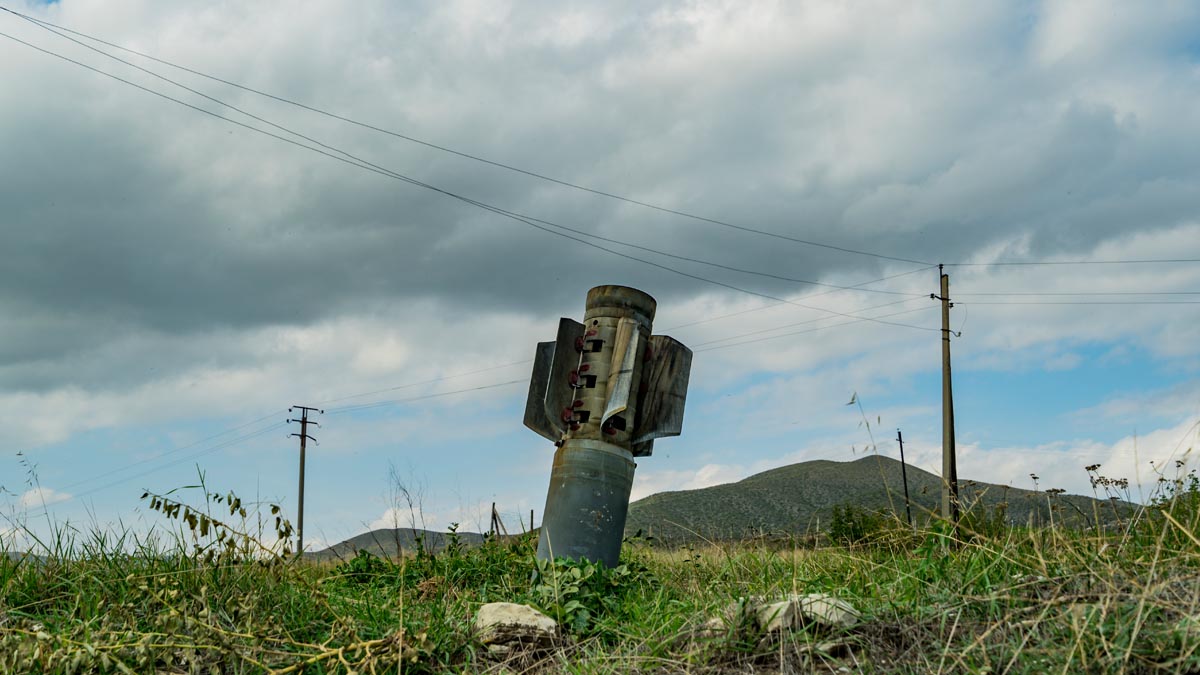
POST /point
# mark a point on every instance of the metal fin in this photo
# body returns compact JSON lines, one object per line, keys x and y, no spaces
{"x":620,"y":380}
{"x":664,"y":383}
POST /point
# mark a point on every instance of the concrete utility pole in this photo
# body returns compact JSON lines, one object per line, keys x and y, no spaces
{"x":904,"y":477}
{"x":304,"y":422}
{"x":949,"y":461}
{"x":602,"y":391}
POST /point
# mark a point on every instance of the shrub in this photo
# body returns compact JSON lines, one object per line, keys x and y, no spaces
{"x":852,"y":524}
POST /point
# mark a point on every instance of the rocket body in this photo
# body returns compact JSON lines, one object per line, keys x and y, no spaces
{"x":603,"y":391}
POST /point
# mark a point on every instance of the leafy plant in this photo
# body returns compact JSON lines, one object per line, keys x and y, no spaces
{"x":574,"y":593}
{"x":851,"y":524}
{"x":364,"y":567}
{"x":216,"y":538}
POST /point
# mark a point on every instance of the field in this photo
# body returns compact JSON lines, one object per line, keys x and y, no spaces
{"x":990,"y":597}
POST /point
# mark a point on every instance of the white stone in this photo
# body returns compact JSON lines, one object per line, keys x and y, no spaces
{"x":499,"y":624}
{"x":714,"y":627}
{"x":826,"y":610}
{"x":777,"y":617}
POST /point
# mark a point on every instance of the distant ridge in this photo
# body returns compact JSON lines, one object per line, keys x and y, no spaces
{"x":390,"y":543}
{"x":799,"y":499}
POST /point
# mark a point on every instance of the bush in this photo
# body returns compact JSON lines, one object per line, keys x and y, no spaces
{"x":853,"y":524}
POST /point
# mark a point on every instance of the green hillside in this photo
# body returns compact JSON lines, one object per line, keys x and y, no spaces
{"x":800,"y":498}
{"x":390,"y":543}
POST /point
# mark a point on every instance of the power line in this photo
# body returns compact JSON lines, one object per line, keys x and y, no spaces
{"x":49,"y":25}
{"x":380,"y":404}
{"x":676,"y":327}
{"x":526,"y":219}
{"x":719,"y":265}
{"x":800,"y":323}
{"x":127,"y":479}
{"x":810,"y":330}
{"x":1145,"y":261}
{"x":430,"y":381}
{"x":240,"y":439}
{"x":1080,"y":302}
{"x":443,"y":378}
{"x":171,"y":452}
{"x":368,"y":166}
{"x":808,"y":297}
{"x":1079,"y":293}
{"x":46,"y":25}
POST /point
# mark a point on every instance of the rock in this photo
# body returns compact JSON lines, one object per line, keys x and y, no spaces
{"x":838,"y":649}
{"x":754,"y":616}
{"x":505,"y":626}
{"x":738,"y":616}
{"x":826,"y":610}
{"x":712,"y":628}
{"x":778,"y":617}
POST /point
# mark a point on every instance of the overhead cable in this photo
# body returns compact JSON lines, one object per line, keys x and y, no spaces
{"x":1010,"y":263}
{"x":465,"y":155}
{"x":1074,"y":293}
{"x":380,"y":404}
{"x":533,"y":174}
{"x":368,"y":166}
{"x":802,"y":332}
{"x":1079,"y":302}
{"x":122,"y":481}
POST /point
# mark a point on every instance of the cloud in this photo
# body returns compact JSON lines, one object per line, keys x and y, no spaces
{"x":1140,"y":458}
{"x":1182,"y":400}
{"x":160,"y":262}
{"x":651,"y":482}
{"x":42,"y":496}
{"x":472,"y":517}
{"x":132,"y":219}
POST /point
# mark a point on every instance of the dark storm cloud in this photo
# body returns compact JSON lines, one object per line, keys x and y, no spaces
{"x":926,"y":137}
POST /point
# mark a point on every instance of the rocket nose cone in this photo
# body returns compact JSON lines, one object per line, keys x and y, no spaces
{"x":622,"y":297}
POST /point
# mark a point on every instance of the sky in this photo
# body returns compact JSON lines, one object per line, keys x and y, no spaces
{"x":172,"y":280}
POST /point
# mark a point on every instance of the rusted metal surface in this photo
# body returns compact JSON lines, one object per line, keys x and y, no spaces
{"x":616,"y":325}
{"x":535,"y":404}
{"x":551,"y":369}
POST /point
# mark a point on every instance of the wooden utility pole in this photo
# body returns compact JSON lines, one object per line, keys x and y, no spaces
{"x":497,"y":526}
{"x":904,"y":476}
{"x":949,"y":463}
{"x":304,"y":422}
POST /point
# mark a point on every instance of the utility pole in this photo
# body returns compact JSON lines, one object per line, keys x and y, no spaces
{"x":304,"y":422}
{"x":904,"y":475}
{"x":949,"y":463}
{"x":497,"y":525}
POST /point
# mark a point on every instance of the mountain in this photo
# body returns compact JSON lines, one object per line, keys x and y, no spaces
{"x":791,"y":500}
{"x":389,"y":543}
{"x":800,"y":498}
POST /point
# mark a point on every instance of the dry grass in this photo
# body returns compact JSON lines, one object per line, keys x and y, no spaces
{"x":1008,"y":600}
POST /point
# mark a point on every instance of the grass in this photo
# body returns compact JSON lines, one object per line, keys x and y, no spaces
{"x":1005,"y":599}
